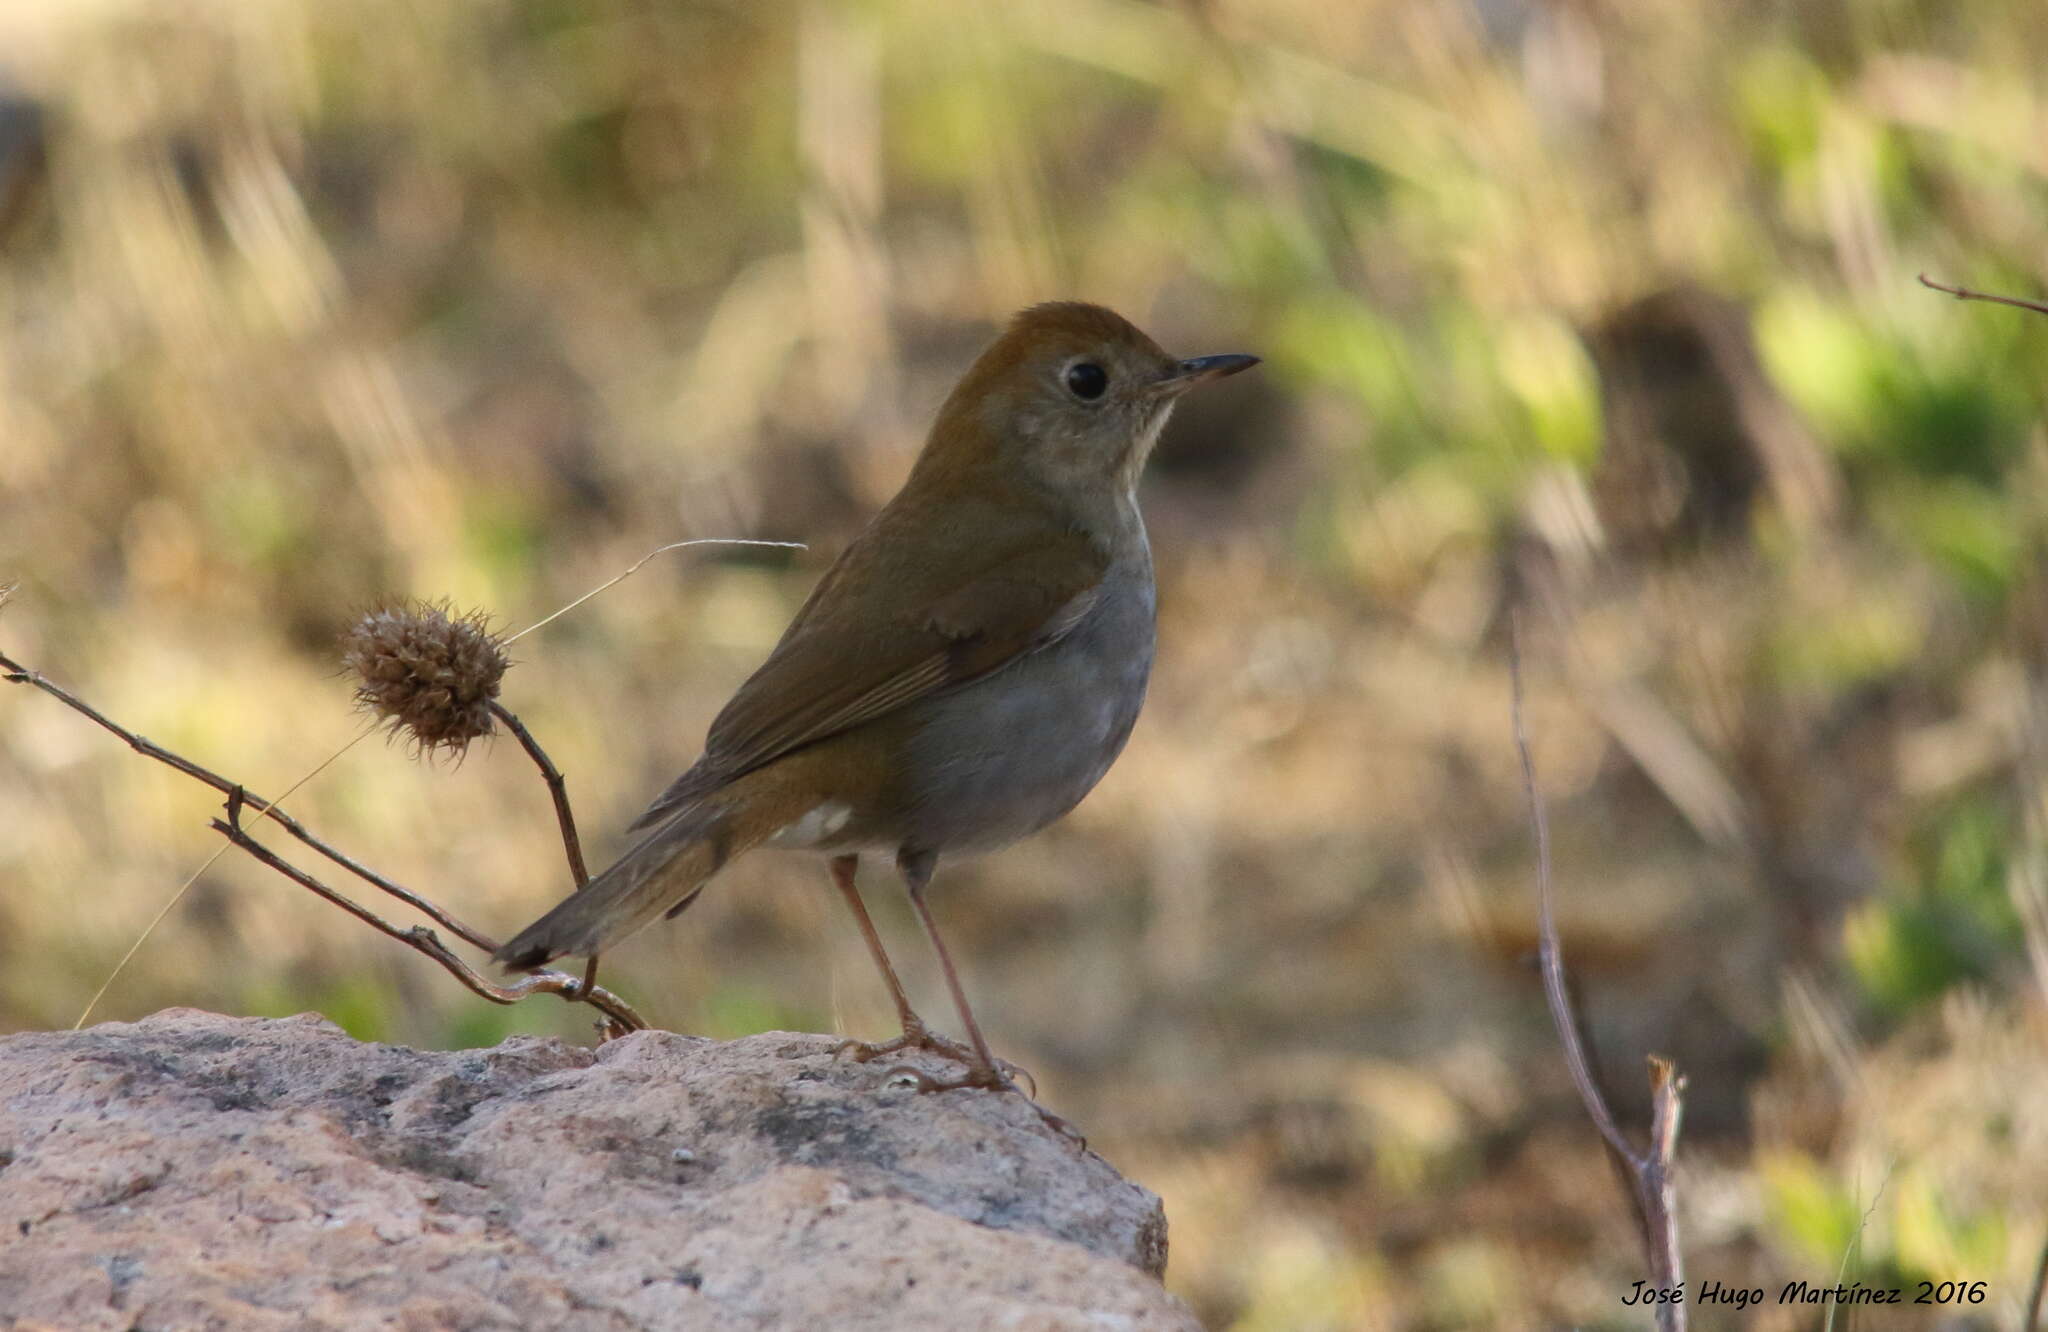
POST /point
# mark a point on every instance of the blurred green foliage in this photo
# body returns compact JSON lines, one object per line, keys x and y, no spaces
{"x":1951,"y":919}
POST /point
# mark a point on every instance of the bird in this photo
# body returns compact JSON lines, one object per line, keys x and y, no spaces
{"x":962,"y":675}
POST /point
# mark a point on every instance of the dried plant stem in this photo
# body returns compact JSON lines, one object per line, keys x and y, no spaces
{"x":192,"y":878}
{"x":1965,"y":294}
{"x":19,"y":674}
{"x":557,"y":788}
{"x":1650,"y":1170}
{"x":641,"y":563}
{"x":2033,"y":1315}
{"x":620,"y":1015}
{"x":1656,"y":1182}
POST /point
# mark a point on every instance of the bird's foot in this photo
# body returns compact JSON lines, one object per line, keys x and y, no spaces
{"x":983,"y":1077}
{"x":914,"y":1037}
{"x":917,"y":1036}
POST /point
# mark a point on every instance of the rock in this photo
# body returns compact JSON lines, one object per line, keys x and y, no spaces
{"x":198,"y":1171}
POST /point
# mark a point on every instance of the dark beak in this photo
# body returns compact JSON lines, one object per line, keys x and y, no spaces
{"x":1205,"y":368}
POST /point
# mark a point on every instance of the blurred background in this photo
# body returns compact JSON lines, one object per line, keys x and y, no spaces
{"x":1601,"y":311}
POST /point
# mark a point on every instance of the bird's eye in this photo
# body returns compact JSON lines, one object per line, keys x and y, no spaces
{"x":1087,"y":380}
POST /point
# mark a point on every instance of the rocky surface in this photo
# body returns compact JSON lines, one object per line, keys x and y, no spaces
{"x":198,"y":1171}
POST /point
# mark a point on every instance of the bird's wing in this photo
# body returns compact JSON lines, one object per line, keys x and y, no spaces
{"x":840,"y":665}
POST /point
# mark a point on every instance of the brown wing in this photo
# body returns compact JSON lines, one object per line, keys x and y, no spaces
{"x":841,"y":664}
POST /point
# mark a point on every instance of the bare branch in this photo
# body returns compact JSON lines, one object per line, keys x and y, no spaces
{"x":1655,"y":1182}
{"x":2033,"y":1316}
{"x":1649,"y":1172}
{"x":1965,"y":294}
{"x":19,"y":674}
{"x":557,"y":788}
{"x":617,"y":1011}
{"x":619,"y":1015}
{"x":1550,"y":949}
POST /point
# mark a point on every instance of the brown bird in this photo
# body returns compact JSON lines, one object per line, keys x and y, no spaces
{"x":963,"y":674}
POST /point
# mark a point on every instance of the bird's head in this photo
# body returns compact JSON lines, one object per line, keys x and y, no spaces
{"x":1070,"y":395}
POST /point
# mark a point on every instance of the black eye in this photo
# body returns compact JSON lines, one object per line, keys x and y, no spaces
{"x":1087,"y":380}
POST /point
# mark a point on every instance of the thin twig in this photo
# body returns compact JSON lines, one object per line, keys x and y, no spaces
{"x":192,"y":878}
{"x":16,"y":673}
{"x":619,"y":1015}
{"x":1649,"y":1171}
{"x":1853,"y":1250}
{"x":641,"y":563}
{"x":1965,"y":294}
{"x":1550,"y":949}
{"x":1667,"y":1106}
{"x":424,"y":940}
{"x":2033,"y":1318}
{"x":557,"y":788}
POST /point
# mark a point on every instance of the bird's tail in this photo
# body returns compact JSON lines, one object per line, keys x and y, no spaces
{"x":661,"y":875}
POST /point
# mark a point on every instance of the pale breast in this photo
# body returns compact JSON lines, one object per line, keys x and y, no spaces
{"x":999,"y":759}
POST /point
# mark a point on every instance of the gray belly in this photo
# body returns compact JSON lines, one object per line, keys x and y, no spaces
{"x":1001,"y":758}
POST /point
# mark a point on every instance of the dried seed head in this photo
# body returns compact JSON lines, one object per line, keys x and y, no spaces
{"x":428,"y":671}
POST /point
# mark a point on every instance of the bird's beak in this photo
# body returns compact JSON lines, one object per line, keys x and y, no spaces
{"x":1202,"y":369}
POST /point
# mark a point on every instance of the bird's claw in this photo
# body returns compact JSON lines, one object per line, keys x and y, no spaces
{"x":1001,"y":1075}
{"x":923,"y":1038}
{"x":981,"y":1077}
{"x":912,"y":1039}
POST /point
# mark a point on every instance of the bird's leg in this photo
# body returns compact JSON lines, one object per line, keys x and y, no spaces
{"x":984,"y":1069}
{"x":916,"y":1035}
{"x":917,"y":873}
